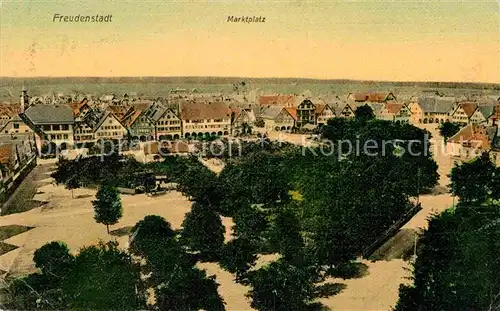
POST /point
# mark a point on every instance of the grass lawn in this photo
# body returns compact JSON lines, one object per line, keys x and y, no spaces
{"x":12,"y":230}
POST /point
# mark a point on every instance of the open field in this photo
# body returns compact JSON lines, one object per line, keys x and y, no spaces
{"x":157,"y":87}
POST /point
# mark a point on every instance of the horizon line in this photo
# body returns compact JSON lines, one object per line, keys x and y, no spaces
{"x":249,"y":77}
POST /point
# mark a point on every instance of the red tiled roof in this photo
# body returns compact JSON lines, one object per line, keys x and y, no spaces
{"x":202,"y":111}
{"x":77,"y":106}
{"x":292,"y":111}
{"x":469,"y":108}
{"x":473,"y":136}
{"x":377,"y":97}
{"x":320,"y":108}
{"x":130,"y":118}
{"x":393,"y":107}
{"x":141,"y":105}
{"x":117,"y":110}
{"x":280,"y":100}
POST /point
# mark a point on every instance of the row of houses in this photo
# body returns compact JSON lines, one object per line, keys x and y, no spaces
{"x":442,"y":109}
{"x":89,"y":121}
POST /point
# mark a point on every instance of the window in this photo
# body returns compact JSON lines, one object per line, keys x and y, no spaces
{"x":65,"y":136}
{"x":16,"y":125}
{"x":65,"y":127}
{"x":56,"y":127}
{"x":46,"y":127}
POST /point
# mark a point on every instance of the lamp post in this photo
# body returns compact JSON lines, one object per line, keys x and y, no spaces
{"x":418,"y":186}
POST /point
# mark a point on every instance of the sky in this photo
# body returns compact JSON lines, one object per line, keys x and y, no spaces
{"x":392,"y":40}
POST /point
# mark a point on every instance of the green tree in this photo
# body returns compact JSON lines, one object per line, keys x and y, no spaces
{"x":258,"y":178}
{"x":189,"y":289}
{"x":103,"y":278}
{"x":285,"y":237}
{"x":169,"y":270}
{"x":54,"y":259}
{"x":476,"y":181}
{"x":202,"y":231}
{"x":448,"y":129}
{"x":250,"y":223}
{"x":364,"y":113}
{"x":199,"y":184}
{"x":238,"y":256}
{"x":32,"y":292}
{"x":43,"y":290}
{"x":457,"y":262}
{"x":107,"y":206}
{"x":148,"y":233}
{"x":281,"y":286}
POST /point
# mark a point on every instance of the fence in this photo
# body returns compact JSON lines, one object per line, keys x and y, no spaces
{"x":389,"y":233}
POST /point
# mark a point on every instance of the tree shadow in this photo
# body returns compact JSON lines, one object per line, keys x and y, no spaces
{"x":350,"y":270}
{"x":437,"y":190}
{"x":36,"y":203}
{"x":6,"y":247}
{"x":121,"y":231}
{"x":329,"y":289}
{"x":317,"y":306}
{"x":83,"y":196}
{"x":7,"y":232}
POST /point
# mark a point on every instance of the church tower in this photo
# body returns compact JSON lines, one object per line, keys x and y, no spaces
{"x":24,"y":99}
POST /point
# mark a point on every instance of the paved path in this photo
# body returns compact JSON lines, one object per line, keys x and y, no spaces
{"x":21,"y":199}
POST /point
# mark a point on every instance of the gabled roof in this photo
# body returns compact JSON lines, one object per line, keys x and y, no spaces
{"x":202,"y":111}
{"x":77,"y":106}
{"x":436,"y":104}
{"x":119,"y":111}
{"x":50,"y":114}
{"x":129,"y":119}
{"x":393,"y":108}
{"x":280,"y":100}
{"x":475,"y":136}
{"x":320,"y":108}
{"x":270,"y":112}
{"x":488,"y":110}
{"x":338,"y":106}
{"x":141,"y":104}
{"x":468,"y":107}
{"x":292,"y":111}
{"x":377,"y":108}
{"x":372,"y":96}
{"x":103,"y":118}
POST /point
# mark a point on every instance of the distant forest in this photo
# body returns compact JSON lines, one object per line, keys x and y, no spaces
{"x":10,"y":81}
